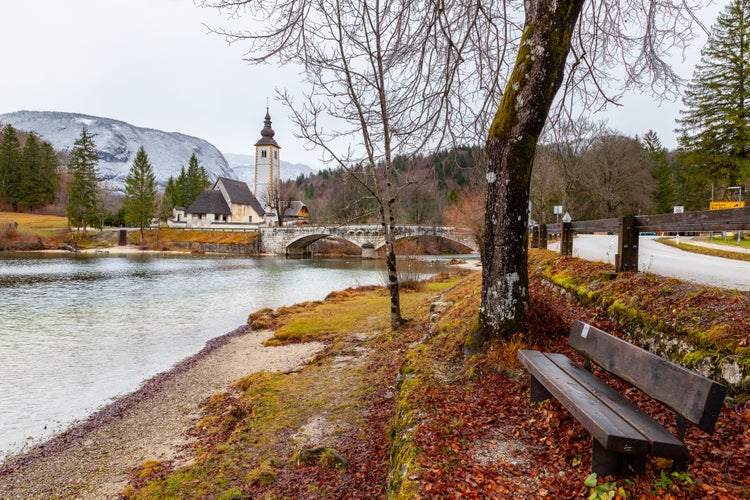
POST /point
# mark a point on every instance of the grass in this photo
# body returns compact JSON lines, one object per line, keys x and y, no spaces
{"x":53,"y":232}
{"x":34,"y":222}
{"x":730,"y":242}
{"x":727,"y":254}
{"x":249,"y":436}
{"x":190,"y":236}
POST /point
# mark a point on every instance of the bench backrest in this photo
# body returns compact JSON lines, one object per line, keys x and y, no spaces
{"x":691,"y":395}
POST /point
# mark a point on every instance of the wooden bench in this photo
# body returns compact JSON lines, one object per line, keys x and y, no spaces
{"x":622,"y":433}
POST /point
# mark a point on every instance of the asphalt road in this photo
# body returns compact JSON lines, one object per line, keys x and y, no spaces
{"x":654,"y":257}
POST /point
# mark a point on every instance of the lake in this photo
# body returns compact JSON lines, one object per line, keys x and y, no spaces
{"x":78,"y":331}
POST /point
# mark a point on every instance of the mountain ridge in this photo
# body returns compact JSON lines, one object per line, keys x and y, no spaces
{"x":117,"y":142}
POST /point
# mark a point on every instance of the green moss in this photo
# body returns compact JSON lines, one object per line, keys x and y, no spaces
{"x":695,"y":357}
{"x":263,"y":474}
{"x":476,"y":338}
{"x":679,"y":315}
{"x":403,"y":463}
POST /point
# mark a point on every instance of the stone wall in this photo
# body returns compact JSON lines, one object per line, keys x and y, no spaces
{"x":253,"y":248}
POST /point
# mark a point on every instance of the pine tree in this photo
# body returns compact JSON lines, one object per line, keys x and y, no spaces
{"x":715,"y":126}
{"x":140,"y":192}
{"x":83,"y":190}
{"x":196,"y":180}
{"x":181,"y":190}
{"x":170,"y":193}
{"x":656,"y":161}
{"x":30,"y":174}
{"x":50,"y":180}
{"x":10,"y":159}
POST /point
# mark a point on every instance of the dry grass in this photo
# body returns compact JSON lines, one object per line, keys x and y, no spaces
{"x":33,"y":222}
{"x":188,"y":236}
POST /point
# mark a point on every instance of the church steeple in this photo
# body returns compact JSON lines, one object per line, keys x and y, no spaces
{"x":267,"y":133}
{"x":267,"y":164}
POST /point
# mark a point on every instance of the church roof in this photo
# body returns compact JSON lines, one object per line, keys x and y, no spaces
{"x":239,"y":193}
{"x":210,"y":201}
{"x":266,"y":135}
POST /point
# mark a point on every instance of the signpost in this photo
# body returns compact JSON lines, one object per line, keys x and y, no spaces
{"x":557,"y":210}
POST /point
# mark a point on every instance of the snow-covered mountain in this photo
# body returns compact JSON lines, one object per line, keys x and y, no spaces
{"x":117,"y":143}
{"x":243,"y":167}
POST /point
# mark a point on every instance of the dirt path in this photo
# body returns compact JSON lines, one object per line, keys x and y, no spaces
{"x":93,"y":459}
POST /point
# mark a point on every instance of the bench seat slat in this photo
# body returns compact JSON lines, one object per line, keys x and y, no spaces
{"x":605,"y":425}
{"x":661,"y":442}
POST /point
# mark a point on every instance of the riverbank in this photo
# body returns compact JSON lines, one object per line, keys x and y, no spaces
{"x":405,"y":415}
{"x":377,"y":412}
{"x":94,"y":459}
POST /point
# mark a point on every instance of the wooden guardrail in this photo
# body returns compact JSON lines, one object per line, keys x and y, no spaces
{"x":630,"y":227}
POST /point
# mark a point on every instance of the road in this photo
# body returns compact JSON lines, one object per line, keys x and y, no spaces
{"x":654,"y":257}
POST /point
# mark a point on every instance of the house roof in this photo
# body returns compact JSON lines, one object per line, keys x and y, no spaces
{"x":210,"y":201}
{"x":295,"y":209}
{"x":239,"y":193}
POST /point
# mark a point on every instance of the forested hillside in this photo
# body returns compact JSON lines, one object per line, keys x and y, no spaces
{"x":588,"y":169}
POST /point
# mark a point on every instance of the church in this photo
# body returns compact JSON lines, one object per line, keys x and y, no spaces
{"x":230,"y":203}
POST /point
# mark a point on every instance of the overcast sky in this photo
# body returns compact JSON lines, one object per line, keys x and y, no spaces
{"x":151,"y":63}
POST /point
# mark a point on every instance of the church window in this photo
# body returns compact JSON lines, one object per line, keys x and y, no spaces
{"x":263,"y":154}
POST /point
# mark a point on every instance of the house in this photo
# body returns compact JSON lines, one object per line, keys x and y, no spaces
{"x":296,"y":213}
{"x":228,"y":202}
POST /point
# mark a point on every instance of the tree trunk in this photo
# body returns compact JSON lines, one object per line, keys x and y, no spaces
{"x":390,"y":264}
{"x":511,"y":145}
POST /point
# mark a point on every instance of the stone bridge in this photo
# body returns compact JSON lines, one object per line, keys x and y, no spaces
{"x":296,"y":240}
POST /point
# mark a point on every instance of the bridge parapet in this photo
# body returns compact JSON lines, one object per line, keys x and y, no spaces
{"x":369,"y":237}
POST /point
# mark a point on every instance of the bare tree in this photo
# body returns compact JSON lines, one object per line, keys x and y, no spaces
{"x":468,"y":211}
{"x":560,"y":175}
{"x":380,"y":79}
{"x":280,"y":198}
{"x":619,"y":181}
{"x":395,"y":73}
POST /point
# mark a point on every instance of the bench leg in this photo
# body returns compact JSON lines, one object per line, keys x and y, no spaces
{"x":606,"y":462}
{"x":679,"y":465}
{"x":538,"y":392}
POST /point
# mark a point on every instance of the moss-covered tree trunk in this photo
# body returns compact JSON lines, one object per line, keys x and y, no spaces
{"x":389,"y":227}
{"x":511,"y":144}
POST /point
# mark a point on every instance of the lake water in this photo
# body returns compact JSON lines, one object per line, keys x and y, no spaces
{"x":78,"y":331}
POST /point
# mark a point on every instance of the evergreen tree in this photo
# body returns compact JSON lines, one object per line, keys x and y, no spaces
{"x":10,"y":159}
{"x":29,"y":176}
{"x":715,"y":125}
{"x":181,"y":190}
{"x":656,"y":161}
{"x":140,"y":192}
{"x":170,"y":193}
{"x":197,"y":180}
{"x":203,"y":179}
{"x":50,"y":180}
{"x":83,"y":190}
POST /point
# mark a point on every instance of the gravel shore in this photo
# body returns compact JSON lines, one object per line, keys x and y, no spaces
{"x":92,"y":460}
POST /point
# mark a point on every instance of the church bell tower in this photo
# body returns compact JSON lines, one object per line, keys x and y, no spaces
{"x":267,"y":165}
